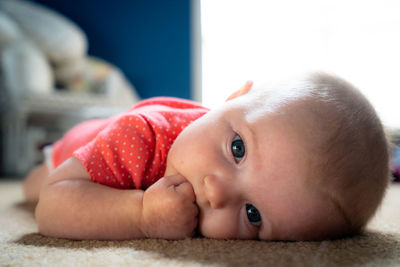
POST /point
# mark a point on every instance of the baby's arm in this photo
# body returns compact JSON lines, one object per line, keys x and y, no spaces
{"x":72,"y":206}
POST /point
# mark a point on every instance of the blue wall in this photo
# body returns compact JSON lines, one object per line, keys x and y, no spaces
{"x":148,"y":40}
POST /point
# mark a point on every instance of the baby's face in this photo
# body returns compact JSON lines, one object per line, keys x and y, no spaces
{"x":248,"y":168}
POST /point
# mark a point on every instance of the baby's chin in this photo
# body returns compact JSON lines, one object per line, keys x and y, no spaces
{"x":204,"y":230}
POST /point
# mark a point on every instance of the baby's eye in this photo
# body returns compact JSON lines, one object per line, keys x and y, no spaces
{"x":253,"y":215}
{"x":237,"y":147}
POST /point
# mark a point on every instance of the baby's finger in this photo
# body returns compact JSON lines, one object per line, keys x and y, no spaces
{"x":175,"y":179}
{"x":186,"y":189}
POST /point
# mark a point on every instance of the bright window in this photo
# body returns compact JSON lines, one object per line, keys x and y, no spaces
{"x":261,"y":40}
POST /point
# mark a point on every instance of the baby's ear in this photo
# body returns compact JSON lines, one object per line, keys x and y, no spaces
{"x":242,"y":91}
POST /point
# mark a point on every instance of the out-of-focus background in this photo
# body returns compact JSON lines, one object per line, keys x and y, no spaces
{"x":67,"y":61}
{"x":62,"y":62}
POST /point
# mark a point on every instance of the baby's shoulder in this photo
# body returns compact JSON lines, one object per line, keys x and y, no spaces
{"x":168,"y":102}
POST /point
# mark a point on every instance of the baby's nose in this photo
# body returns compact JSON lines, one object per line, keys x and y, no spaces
{"x":216,"y":192}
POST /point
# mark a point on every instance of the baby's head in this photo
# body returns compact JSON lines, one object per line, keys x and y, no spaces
{"x":305,"y":159}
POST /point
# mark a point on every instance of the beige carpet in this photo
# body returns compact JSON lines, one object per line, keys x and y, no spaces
{"x":20,"y":245}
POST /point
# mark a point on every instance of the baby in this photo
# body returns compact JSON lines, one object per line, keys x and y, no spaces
{"x":304,"y":160}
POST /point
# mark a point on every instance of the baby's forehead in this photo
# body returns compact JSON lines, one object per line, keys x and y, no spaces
{"x":264,"y":105}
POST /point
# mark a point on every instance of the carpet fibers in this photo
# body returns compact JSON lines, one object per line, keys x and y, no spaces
{"x":21,"y":245}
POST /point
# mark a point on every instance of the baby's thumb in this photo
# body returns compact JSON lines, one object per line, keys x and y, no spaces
{"x":175,"y":179}
{"x":186,"y":189}
{"x":181,"y":185}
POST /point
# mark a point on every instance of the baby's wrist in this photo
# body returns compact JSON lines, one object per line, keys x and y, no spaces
{"x":143,"y":224}
{"x":136,"y":213}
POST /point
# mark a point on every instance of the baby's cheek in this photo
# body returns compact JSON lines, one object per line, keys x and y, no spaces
{"x":214,"y":226}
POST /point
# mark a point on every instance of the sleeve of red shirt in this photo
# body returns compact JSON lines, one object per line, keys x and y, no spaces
{"x":119,"y":154}
{"x":76,"y":137}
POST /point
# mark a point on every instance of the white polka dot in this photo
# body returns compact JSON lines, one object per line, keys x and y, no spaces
{"x":107,"y":177}
{"x":115,"y":148}
{"x":138,"y":157}
{"x":99,"y":174}
{"x":137,"y":165}
{"x":92,"y":162}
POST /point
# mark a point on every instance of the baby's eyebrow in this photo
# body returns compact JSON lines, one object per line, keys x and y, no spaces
{"x":253,"y":138}
{"x":252,"y":134}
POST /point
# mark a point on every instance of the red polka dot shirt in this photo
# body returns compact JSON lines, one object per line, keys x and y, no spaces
{"x":129,"y":150}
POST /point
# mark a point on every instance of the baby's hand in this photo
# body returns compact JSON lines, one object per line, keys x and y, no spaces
{"x":169,"y":209}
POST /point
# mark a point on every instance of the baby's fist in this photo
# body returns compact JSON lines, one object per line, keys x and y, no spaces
{"x":169,"y":209}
